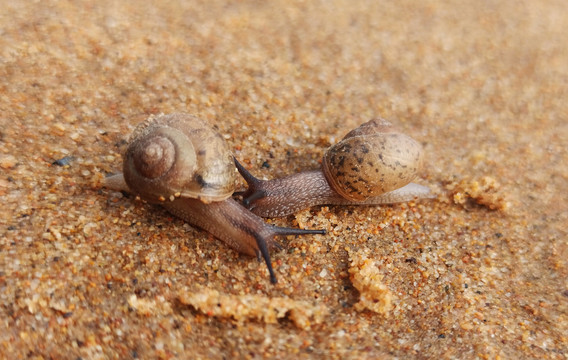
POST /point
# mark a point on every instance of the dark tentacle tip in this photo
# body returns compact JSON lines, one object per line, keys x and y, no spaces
{"x":273,"y":279}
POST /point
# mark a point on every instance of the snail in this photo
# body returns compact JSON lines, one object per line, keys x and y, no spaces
{"x":181,"y":163}
{"x":373,"y":164}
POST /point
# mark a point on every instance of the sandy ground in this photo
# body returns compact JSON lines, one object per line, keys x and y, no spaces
{"x":480,"y":272}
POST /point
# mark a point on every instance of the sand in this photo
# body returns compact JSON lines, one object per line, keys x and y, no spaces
{"x":479,"y":272}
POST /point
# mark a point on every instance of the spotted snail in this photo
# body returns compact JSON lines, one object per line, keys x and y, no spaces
{"x":373,"y":164}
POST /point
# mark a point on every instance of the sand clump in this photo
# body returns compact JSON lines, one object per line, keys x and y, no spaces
{"x":485,"y":191}
{"x":253,"y":307}
{"x":368,"y":280}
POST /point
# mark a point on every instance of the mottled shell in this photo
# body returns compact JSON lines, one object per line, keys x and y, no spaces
{"x":178,"y":155}
{"x":372,"y":160}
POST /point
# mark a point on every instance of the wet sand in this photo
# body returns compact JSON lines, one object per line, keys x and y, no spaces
{"x":479,"y":272}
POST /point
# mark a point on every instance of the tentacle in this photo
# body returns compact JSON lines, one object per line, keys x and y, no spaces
{"x":254,"y":191}
{"x":263,"y":249}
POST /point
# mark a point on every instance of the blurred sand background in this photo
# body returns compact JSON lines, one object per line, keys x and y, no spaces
{"x":480,"y":272}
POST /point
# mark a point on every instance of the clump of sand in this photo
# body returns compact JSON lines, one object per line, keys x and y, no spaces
{"x":366,"y":277}
{"x":245,"y":307}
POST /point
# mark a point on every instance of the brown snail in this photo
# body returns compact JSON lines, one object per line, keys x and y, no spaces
{"x":373,"y":164}
{"x":181,"y":163}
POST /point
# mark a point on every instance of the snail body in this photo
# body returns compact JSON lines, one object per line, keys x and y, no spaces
{"x":373,"y":164}
{"x":181,"y":163}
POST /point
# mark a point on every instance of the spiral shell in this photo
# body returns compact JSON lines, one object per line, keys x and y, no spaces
{"x":372,"y":160}
{"x":178,"y":155}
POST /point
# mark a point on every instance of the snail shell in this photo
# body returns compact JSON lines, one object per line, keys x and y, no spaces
{"x":371,"y":160}
{"x":178,"y":155}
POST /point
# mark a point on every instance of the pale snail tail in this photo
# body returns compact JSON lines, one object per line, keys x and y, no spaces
{"x":409,"y":192}
{"x":115,"y":182}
